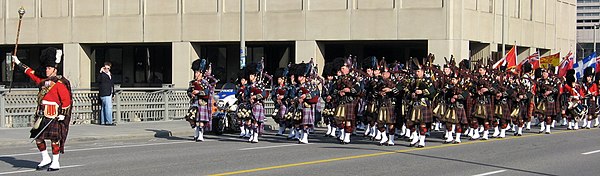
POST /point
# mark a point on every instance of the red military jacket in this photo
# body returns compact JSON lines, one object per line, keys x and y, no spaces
{"x":57,"y":93}
{"x":574,"y":92}
{"x":592,"y":90}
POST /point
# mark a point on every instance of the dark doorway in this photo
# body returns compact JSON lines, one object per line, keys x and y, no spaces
{"x":390,"y":50}
{"x":135,"y":65}
{"x":225,"y":57}
{"x":28,"y":55}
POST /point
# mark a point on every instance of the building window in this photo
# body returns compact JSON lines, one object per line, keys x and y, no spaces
{"x":29,"y":55}
{"x":136,"y":65}
{"x":588,"y":14}
{"x":587,"y":1}
{"x":588,"y":7}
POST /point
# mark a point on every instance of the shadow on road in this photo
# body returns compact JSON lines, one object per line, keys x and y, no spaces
{"x":17,"y":163}
{"x":165,"y":134}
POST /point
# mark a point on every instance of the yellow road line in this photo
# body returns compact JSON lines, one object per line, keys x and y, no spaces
{"x":377,"y":154}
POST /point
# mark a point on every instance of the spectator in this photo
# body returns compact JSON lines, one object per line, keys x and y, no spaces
{"x":106,"y":92}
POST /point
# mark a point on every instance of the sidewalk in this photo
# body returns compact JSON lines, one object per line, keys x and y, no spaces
{"x":91,"y":132}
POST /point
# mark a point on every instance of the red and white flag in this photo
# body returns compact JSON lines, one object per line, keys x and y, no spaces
{"x":534,"y":60}
{"x":510,"y":60}
{"x":566,"y":64}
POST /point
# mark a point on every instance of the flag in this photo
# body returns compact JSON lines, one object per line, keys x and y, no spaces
{"x":597,"y":64}
{"x":581,"y":65}
{"x":499,"y":63}
{"x":566,"y":64}
{"x":511,"y":58}
{"x":550,"y":60}
{"x":533,"y":60}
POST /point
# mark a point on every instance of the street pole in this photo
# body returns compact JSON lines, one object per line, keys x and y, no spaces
{"x":595,"y":26}
{"x":242,"y":39}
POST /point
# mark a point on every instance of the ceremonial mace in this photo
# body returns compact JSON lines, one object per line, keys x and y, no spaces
{"x":12,"y":66}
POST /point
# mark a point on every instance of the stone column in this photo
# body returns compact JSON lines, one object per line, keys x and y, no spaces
{"x":445,"y":48}
{"x":182,"y":57}
{"x":310,"y":49}
{"x":77,"y":63}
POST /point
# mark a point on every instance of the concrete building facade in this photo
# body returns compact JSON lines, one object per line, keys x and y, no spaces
{"x":588,"y":18}
{"x":154,"y":41}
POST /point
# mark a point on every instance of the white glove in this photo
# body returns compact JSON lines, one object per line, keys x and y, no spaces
{"x":16,"y":60}
{"x":58,"y":56}
{"x":61,"y":117}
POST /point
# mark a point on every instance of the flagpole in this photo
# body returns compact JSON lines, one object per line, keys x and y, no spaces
{"x":503,"y":14}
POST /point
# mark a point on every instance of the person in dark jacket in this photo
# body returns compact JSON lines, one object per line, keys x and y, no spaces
{"x":106,"y":91}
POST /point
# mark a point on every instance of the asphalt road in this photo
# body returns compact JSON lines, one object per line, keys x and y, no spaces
{"x":560,"y":153}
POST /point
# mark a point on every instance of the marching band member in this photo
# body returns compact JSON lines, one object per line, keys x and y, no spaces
{"x":199,"y":93}
{"x":348,"y":89}
{"x":387,"y":90}
{"x":254,"y":95}
{"x":590,"y":93}
{"x":484,"y":104}
{"x":328,"y":93}
{"x":547,"y":94}
{"x":279,"y":97}
{"x":242,"y":111}
{"x":421,"y":91}
{"x":456,"y":116}
{"x":575,"y":109}
{"x":53,"y":112}
{"x":370,"y":112}
{"x":307,"y":100}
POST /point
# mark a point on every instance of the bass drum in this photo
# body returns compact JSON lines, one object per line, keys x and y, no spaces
{"x":580,"y":111}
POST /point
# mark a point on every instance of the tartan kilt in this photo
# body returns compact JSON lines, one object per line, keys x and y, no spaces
{"x":370,"y":113}
{"x":420,"y":114}
{"x":591,"y":107}
{"x":52,"y":132}
{"x":516,"y":114}
{"x":349,"y":111}
{"x":470,"y":103}
{"x":450,"y":116}
{"x":461,"y":115}
{"x":551,"y":109}
{"x":386,"y":115}
{"x":204,"y":113}
{"x":502,"y":111}
{"x":484,"y":111}
{"x":279,"y":117}
{"x":258,"y":112}
{"x":439,"y":111}
{"x":308,"y":115}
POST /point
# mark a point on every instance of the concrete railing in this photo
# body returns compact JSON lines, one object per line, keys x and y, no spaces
{"x":129,"y":105}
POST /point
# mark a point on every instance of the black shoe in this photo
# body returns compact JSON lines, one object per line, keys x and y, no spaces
{"x":41,"y":167}
{"x":547,"y":132}
{"x":195,"y":139}
{"x":112,"y":124}
{"x":420,"y":146}
{"x":52,"y":169}
{"x":519,"y":135}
